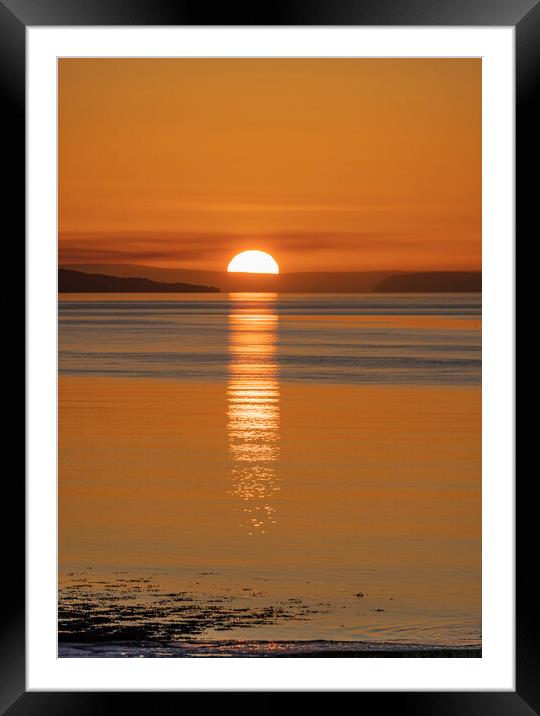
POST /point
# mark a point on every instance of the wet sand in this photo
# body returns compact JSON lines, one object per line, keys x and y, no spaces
{"x":116,"y":614}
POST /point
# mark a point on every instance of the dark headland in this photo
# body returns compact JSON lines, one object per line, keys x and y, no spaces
{"x":79,"y":282}
{"x":432,"y":282}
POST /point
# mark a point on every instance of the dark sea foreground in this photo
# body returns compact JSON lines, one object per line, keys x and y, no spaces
{"x":265,"y":649}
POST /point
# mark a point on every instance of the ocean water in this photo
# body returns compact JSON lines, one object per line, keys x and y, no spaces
{"x":240,"y":471}
{"x":370,"y":338}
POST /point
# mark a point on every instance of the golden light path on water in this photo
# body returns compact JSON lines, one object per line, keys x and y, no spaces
{"x":253,"y":408}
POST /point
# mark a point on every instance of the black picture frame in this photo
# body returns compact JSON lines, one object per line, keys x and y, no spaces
{"x":15,"y":17}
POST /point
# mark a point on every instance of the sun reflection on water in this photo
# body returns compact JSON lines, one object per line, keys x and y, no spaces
{"x":253,"y":408}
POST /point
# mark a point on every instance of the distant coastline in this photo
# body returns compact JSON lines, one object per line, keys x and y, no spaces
{"x":80,"y":282}
{"x":131,"y":278}
{"x":432,"y":282}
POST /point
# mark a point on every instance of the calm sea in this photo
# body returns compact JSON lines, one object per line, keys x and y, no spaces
{"x":240,"y":473}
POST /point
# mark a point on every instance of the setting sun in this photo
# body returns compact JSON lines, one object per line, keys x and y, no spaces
{"x":253,"y":262}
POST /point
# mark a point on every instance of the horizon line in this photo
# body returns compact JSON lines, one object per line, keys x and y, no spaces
{"x":281,"y":273}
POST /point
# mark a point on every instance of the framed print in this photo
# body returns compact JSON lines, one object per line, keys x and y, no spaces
{"x":270,"y":365}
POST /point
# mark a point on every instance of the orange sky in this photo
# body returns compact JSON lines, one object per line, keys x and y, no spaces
{"x":328,"y":164}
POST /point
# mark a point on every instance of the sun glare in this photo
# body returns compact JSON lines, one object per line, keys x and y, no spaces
{"x":253,"y":262}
